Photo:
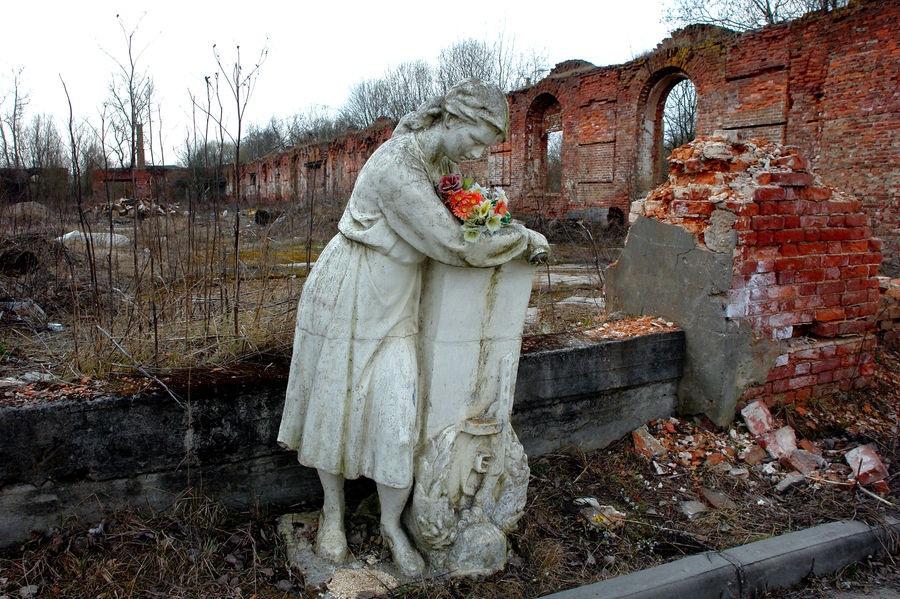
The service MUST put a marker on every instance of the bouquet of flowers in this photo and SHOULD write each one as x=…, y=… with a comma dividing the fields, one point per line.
x=481, y=211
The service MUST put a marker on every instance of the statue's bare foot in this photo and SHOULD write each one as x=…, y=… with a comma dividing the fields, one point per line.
x=331, y=542
x=405, y=556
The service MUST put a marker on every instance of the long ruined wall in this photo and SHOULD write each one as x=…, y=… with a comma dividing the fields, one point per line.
x=829, y=83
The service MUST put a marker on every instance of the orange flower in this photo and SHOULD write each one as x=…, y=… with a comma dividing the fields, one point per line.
x=500, y=208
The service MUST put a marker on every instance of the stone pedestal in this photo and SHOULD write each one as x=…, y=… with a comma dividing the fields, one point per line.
x=471, y=474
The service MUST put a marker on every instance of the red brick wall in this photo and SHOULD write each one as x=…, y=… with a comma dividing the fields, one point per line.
x=805, y=262
x=827, y=83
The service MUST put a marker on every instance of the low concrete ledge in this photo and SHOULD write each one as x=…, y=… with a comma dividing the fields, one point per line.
x=749, y=570
x=590, y=396
x=81, y=459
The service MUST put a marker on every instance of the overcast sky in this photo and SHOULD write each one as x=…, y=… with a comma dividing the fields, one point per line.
x=316, y=49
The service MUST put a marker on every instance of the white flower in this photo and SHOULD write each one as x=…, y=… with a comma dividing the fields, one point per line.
x=471, y=232
x=477, y=188
x=493, y=223
x=500, y=195
x=483, y=210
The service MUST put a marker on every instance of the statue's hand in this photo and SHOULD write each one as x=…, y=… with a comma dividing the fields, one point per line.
x=538, y=248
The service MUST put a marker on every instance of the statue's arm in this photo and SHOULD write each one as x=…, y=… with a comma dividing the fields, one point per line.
x=415, y=212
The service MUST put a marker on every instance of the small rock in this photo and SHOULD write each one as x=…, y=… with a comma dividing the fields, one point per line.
x=38, y=377
x=28, y=591
x=805, y=462
x=807, y=445
x=779, y=443
x=739, y=472
x=284, y=585
x=758, y=418
x=714, y=458
x=691, y=508
x=646, y=443
x=753, y=455
x=717, y=499
x=865, y=465
x=267, y=572
x=789, y=481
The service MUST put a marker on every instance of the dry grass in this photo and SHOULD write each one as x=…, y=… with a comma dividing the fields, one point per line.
x=166, y=300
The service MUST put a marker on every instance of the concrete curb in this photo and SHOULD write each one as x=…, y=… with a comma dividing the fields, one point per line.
x=745, y=571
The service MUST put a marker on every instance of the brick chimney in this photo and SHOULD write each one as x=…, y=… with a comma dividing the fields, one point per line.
x=140, y=146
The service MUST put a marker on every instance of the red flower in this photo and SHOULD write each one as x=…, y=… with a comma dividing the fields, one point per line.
x=450, y=184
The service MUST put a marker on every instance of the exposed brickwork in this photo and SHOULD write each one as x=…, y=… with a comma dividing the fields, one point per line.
x=804, y=260
x=889, y=312
x=828, y=83
x=158, y=182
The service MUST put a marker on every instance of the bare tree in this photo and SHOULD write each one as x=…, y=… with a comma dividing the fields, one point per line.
x=11, y=123
x=130, y=97
x=679, y=116
x=240, y=83
x=464, y=59
x=497, y=62
x=316, y=123
x=742, y=15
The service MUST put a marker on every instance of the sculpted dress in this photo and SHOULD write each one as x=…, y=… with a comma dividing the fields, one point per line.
x=351, y=402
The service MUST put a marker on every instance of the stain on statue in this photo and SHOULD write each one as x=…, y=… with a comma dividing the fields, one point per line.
x=353, y=405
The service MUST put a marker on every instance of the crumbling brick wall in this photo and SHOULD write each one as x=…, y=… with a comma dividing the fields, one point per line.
x=888, y=316
x=827, y=83
x=796, y=269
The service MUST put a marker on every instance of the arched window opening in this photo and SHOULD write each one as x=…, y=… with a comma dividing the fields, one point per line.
x=668, y=109
x=679, y=119
x=544, y=142
x=554, y=161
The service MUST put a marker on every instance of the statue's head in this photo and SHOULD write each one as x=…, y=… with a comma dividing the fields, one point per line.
x=470, y=113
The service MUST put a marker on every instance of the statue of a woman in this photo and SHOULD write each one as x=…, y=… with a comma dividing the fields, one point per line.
x=351, y=407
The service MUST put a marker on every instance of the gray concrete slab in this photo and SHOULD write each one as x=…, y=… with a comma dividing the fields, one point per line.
x=749, y=570
x=703, y=576
x=784, y=561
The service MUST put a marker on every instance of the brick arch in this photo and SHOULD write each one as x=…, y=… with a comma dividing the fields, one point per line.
x=648, y=167
x=543, y=116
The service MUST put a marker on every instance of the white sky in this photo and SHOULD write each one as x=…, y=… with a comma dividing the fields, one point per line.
x=317, y=50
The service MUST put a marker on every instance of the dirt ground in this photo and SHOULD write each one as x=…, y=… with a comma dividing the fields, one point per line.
x=202, y=549
x=590, y=515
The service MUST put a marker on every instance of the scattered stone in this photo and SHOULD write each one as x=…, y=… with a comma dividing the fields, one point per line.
x=739, y=473
x=600, y=516
x=805, y=462
x=25, y=309
x=691, y=508
x=284, y=585
x=103, y=240
x=646, y=443
x=28, y=591
x=779, y=443
x=717, y=499
x=347, y=583
x=38, y=377
x=791, y=480
x=758, y=418
x=714, y=459
x=754, y=455
x=807, y=445
x=865, y=465
x=578, y=300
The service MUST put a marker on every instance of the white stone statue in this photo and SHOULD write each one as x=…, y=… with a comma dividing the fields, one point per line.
x=353, y=402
